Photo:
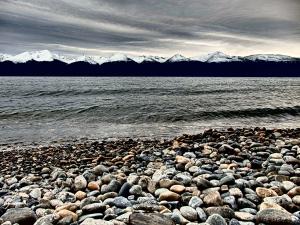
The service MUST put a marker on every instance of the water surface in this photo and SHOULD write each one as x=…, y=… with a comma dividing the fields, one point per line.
x=45, y=109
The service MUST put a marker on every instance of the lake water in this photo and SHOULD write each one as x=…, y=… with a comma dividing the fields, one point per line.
x=46, y=109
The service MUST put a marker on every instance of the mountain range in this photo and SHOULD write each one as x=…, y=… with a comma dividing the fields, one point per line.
x=47, y=56
x=213, y=64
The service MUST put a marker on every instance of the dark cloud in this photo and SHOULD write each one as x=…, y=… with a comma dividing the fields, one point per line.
x=162, y=27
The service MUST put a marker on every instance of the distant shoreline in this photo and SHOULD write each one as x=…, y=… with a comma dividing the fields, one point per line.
x=130, y=68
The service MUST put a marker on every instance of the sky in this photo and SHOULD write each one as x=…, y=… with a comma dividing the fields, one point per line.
x=151, y=27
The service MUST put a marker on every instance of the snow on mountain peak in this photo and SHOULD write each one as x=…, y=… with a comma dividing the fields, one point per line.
x=140, y=59
x=215, y=57
x=269, y=57
x=178, y=58
x=40, y=56
x=47, y=56
x=118, y=57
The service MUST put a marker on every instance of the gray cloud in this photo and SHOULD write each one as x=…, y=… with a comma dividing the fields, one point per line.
x=162, y=27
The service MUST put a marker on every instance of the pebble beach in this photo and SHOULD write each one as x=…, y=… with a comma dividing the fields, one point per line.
x=218, y=177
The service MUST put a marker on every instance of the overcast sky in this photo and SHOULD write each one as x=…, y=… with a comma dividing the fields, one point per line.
x=151, y=27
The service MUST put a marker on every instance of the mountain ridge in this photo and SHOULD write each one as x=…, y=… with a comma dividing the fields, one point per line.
x=215, y=57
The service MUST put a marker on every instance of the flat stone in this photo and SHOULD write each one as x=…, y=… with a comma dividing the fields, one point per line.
x=264, y=192
x=177, y=188
x=276, y=217
x=90, y=221
x=227, y=180
x=169, y=196
x=92, y=215
x=149, y=219
x=182, y=159
x=244, y=216
x=93, y=208
x=225, y=212
x=22, y=216
x=121, y=202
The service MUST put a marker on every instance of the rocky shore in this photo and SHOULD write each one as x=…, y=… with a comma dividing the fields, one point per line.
x=237, y=176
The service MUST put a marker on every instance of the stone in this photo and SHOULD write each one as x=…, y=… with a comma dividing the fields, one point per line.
x=183, y=178
x=276, y=217
x=288, y=185
x=80, y=195
x=167, y=183
x=121, y=202
x=202, y=183
x=124, y=217
x=100, y=169
x=66, y=213
x=149, y=219
x=195, y=202
x=182, y=159
x=296, y=199
x=91, y=221
x=264, y=192
x=244, y=216
x=267, y=205
x=36, y=193
x=177, y=188
x=169, y=196
x=124, y=190
x=46, y=220
x=21, y=216
x=93, y=208
x=213, y=198
x=245, y=203
x=66, y=197
x=92, y=215
x=227, y=180
x=224, y=211
x=236, y=192
x=189, y=213
x=201, y=214
x=294, y=191
x=80, y=182
x=216, y=219
x=178, y=218
x=136, y=190
x=93, y=185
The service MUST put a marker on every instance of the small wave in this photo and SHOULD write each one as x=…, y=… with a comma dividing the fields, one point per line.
x=142, y=115
x=122, y=91
x=244, y=113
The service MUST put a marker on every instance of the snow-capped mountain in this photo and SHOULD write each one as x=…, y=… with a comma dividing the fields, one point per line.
x=141, y=59
x=216, y=57
x=39, y=56
x=269, y=57
x=178, y=58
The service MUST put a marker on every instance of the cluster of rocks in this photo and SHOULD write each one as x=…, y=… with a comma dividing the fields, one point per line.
x=234, y=177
